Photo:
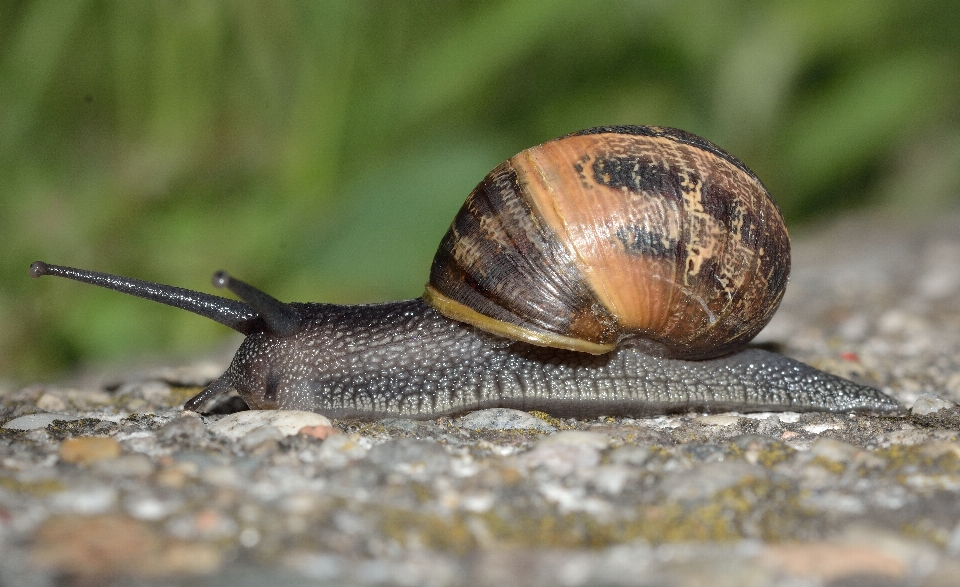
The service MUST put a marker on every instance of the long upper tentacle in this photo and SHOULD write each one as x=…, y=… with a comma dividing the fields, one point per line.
x=237, y=315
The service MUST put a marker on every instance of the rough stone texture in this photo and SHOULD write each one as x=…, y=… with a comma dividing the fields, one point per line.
x=503, y=419
x=286, y=422
x=105, y=481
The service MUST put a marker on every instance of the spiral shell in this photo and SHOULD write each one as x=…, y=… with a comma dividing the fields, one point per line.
x=643, y=234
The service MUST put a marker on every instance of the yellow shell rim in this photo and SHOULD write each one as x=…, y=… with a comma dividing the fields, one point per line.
x=461, y=313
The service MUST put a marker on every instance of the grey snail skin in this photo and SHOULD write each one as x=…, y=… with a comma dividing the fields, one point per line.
x=614, y=271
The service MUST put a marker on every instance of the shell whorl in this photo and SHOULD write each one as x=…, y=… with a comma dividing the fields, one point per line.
x=612, y=234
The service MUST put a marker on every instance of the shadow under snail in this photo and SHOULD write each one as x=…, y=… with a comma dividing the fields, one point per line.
x=613, y=271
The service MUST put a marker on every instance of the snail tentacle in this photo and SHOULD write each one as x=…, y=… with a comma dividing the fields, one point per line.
x=236, y=315
x=281, y=319
x=219, y=386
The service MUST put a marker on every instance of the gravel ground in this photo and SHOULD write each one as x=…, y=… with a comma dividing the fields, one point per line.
x=105, y=480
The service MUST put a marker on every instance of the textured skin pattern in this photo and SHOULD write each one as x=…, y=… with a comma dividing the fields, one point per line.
x=405, y=359
x=620, y=232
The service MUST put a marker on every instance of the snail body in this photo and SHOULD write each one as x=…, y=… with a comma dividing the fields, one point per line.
x=614, y=271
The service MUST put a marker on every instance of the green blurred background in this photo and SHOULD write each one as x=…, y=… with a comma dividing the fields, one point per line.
x=320, y=149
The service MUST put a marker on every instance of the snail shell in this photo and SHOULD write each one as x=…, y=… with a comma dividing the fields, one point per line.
x=643, y=234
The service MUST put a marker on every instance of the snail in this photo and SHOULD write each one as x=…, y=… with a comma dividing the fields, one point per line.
x=612, y=271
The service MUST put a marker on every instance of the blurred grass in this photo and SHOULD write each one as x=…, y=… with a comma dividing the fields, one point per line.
x=320, y=149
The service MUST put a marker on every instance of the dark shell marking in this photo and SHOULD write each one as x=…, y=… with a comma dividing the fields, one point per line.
x=497, y=259
x=674, y=134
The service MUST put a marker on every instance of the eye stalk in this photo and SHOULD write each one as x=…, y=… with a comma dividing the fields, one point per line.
x=38, y=269
x=281, y=319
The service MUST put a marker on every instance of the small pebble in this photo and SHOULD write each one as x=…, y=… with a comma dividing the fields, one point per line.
x=108, y=545
x=94, y=499
x=34, y=421
x=93, y=545
x=288, y=422
x=142, y=441
x=319, y=432
x=611, y=479
x=702, y=452
x=833, y=450
x=125, y=465
x=561, y=459
x=338, y=450
x=420, y=459
x=937, y=449
x=704, y=481
x=260, y=435
x=401, y=425
x=844, y=453
x=152, y=391
x=226, y=476
x=719, y=420
x=503, y=419
x=831, y=562
x=89, y=399
x=630, y=454
x=753, y=441
x=595, y=440
x=198, y=374
x=916, y=436
x=753, y=445
x=574, y=499
x=182, y=430
x=322, y=567
x=88, y=450
x=821, y=428
x=151, y=508
x=207, y=524
x=929, y=403
x=51, y=403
